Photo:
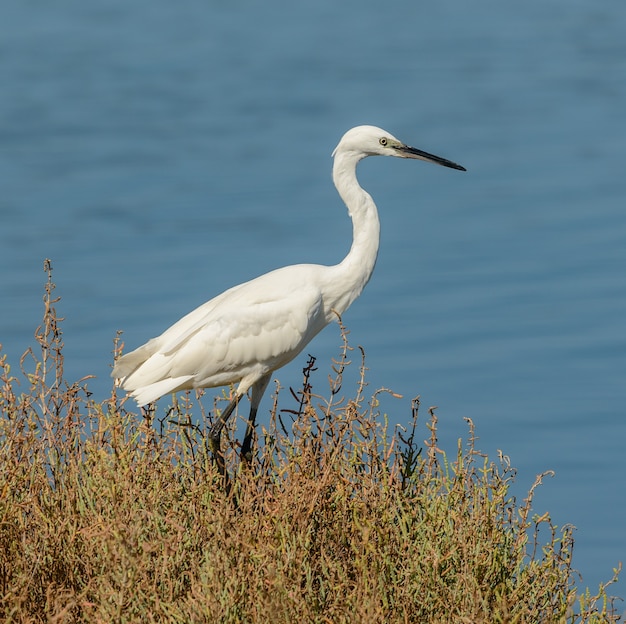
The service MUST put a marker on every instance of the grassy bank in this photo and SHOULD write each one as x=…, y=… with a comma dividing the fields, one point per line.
x=109, y=515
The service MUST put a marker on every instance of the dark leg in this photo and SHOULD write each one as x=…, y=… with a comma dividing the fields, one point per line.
x=258, y=389
x=215, y=435
x=246, y=447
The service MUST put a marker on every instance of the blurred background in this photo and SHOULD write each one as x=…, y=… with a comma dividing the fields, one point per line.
x=161, y=152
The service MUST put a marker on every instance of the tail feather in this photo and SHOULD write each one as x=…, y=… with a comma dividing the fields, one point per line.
x=129, y=363
x=154, y=391
x=145, y=374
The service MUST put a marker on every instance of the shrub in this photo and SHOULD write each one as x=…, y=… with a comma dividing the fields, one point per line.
x=111, y=516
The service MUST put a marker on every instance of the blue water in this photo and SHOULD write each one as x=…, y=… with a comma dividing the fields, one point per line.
x=161, y=152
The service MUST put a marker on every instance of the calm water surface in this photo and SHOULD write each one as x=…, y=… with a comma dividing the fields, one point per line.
x=160, y=153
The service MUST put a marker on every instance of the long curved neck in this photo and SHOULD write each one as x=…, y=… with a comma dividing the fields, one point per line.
x=352, y=274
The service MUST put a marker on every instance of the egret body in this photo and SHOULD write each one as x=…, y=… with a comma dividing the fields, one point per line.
x=252, y=329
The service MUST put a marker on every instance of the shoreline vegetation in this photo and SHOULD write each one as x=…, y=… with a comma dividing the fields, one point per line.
x=109, y=515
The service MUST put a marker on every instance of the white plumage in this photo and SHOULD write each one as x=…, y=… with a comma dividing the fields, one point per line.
x=240, y=335
x=250, y=330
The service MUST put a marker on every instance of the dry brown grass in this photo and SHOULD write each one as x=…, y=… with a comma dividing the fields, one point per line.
x=110, y=516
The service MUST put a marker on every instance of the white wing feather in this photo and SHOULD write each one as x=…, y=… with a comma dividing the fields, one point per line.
x=238, y=336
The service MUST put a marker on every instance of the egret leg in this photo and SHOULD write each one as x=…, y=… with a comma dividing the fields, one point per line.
x=215, y=434
x=258, y=389
x=246, y=446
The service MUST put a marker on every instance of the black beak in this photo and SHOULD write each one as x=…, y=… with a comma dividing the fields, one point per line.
x=412, y=152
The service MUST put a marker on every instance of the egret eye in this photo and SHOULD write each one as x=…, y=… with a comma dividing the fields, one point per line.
x=383, y=141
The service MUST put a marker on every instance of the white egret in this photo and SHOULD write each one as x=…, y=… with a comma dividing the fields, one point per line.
x=249, y=331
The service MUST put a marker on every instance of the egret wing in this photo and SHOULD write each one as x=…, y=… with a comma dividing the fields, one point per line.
x=243, y=333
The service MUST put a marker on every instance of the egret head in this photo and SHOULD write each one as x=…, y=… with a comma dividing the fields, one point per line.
x=365, y=141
